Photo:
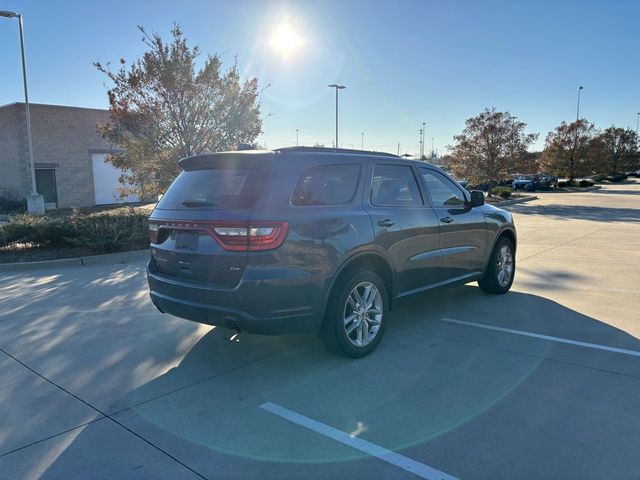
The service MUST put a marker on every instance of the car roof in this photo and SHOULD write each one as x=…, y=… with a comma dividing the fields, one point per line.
x=254, y=157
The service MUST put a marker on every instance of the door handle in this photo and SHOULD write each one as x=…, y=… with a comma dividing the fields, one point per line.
x=387, y=222
x=446, y=219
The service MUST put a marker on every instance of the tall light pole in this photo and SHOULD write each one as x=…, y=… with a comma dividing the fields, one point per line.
x=424, y=139
x=337, y=87
x=362, y=141
x=421, y=131
x=296, y=137
x=575, y=140
x=578, y=109
x=35, y=202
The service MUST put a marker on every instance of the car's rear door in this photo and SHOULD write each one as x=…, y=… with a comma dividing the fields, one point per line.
x=406, y=231
x=462, y=228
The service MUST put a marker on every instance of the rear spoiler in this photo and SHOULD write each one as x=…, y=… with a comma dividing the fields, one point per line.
x=246, y=159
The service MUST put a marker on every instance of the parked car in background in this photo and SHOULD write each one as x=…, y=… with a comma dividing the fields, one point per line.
x=524, y=182
x=617, y=177
x=531, y=183
x=318, y=240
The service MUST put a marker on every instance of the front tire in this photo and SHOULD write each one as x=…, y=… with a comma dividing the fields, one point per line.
x=498, y=277
x=356, y=315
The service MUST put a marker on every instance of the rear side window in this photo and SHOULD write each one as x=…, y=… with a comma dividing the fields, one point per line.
x=394, y=185
x=215, y=189
x=327, y=185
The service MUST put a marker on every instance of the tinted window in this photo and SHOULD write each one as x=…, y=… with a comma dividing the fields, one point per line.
x=443, y=192
x=217, y=188
x=327, y=185
x=394, y=185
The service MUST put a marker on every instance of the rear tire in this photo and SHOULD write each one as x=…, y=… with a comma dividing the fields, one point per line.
x=356, y=315
x=498, y=277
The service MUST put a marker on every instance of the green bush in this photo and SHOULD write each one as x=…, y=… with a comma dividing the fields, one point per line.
x=99, y=232
x=503, y=192
x=9, y=203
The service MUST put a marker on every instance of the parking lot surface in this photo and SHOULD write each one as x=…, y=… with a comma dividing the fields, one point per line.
x=543, y=382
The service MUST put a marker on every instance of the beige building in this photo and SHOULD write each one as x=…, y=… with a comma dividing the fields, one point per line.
x=69, y=156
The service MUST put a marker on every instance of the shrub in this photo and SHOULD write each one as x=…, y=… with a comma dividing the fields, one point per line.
x=98, y=232
x=503, y=192
x=9, y=202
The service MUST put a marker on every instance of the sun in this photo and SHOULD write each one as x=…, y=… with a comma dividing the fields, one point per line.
x=285, y=40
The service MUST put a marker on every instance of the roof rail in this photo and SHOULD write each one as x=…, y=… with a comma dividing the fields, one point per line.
x=332, y=150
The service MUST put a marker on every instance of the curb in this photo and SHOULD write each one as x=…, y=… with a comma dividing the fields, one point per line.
x=573, y=189
x=516, y=200
x=90, y=260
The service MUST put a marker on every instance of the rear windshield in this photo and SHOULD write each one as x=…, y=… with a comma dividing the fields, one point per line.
x=217, y=188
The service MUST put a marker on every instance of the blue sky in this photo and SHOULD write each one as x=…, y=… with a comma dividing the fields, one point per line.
x=403, y=62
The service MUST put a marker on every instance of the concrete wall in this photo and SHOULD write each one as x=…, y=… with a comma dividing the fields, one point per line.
x=63, y=138
x=14, y=169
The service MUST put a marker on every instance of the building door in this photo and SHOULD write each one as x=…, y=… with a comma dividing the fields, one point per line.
x=106, y=182
x=46, y=186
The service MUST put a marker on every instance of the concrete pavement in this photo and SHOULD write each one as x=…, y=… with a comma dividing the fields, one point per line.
x=97, y=383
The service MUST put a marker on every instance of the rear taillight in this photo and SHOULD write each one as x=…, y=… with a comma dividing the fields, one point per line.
x=253, y=237
x=234, y=236
x=153, y=232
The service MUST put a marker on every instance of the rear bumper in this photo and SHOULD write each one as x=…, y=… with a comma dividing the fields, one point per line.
x=269, y=306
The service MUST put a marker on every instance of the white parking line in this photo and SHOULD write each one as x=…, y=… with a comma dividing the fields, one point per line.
x=416, y=468
x=545, y=337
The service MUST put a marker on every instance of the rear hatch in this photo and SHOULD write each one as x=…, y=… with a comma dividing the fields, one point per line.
x=200, y=228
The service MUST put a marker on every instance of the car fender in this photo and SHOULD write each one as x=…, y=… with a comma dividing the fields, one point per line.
x=372, y=251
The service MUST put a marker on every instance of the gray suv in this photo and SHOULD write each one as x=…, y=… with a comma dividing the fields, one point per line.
x=318, y=240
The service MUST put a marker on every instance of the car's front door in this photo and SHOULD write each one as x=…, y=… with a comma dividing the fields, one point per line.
x=407, y=231
x=462, y=228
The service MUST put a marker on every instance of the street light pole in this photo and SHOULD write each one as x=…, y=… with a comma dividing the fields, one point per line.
x=337, y=87
x=575, y=140
x=296, y=137
x=424, y=139
x=362, y=141
x=35, y=202
x=421, y=142
x=578, y=109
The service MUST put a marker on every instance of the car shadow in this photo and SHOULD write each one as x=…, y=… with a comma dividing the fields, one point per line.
x=437, y=382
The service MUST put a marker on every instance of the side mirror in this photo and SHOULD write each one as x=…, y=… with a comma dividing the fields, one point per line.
x=477, y=198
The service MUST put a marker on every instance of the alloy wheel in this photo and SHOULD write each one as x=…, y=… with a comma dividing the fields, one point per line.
x=363, y=314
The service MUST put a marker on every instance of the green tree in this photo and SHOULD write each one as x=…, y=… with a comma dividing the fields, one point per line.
x=163, y=107
x=568, y=149
x=492, y=145
x=615, y=150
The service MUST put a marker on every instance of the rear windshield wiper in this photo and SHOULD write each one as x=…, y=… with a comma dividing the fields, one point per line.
x=198, y=203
